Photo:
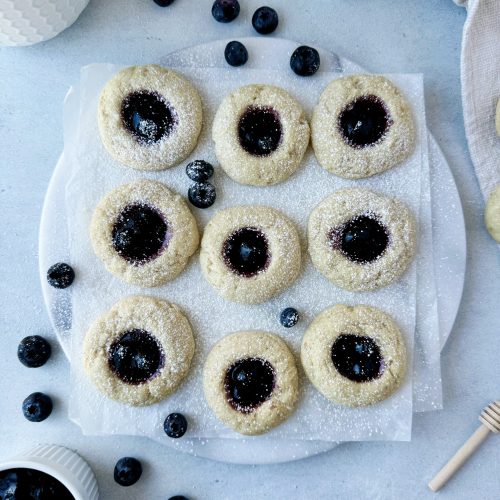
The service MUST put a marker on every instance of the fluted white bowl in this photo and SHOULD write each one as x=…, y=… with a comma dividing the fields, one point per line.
x=26, y=22
x=63, y=464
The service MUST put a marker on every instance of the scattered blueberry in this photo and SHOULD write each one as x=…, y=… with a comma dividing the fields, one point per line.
x=265, y=20
x=163, y=3
x=178, y=497
x=199, y=170
x=289, y=317
x=33, y=351
x=236, y=53
x=225, y=11
x=202, y=194
x=60, y=275
x=128, y=471
x=304, y=61
x=37, y=407
x=175, y=425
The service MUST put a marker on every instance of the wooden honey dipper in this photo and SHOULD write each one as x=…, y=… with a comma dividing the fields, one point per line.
x=490, y=422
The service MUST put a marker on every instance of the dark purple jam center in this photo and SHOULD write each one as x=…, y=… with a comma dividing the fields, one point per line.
x=259, y=130
x=139, y=233
x=147, y=116
x=357, y=357
x=246, y=252
x=364, y=121
x=135, y=357
x=362, y=239
x=31, y=484
x=249, y=382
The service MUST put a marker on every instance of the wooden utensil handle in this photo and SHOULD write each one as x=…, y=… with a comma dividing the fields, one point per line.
x=460, y=457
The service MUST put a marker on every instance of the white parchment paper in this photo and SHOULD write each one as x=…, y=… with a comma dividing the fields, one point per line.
x=95, y=290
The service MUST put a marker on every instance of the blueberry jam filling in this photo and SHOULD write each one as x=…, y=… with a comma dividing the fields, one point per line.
x=248, y=383
x=139, y=233
x=364, y=121
x=27, y=484
x=362, y=239
x=135, y=357
x=147, y=116
x=357, y=357
x=259, y=130
x=246, y=252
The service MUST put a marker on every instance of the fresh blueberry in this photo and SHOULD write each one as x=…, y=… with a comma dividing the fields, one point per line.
x=9, y=483
x=304, y=61
x=289, y=317
x=163, y=3
x=225, y=11
x=23, y=483
x=33, y=351
x=128, y=471
x=60, y=275
x=37, y=407
x=175, y=425
x=202, y=194
x=265, y=20
x=199, y=170
x=178, y=497
x=236, y=53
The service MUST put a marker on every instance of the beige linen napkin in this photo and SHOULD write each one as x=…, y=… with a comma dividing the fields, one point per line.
x=480, y=75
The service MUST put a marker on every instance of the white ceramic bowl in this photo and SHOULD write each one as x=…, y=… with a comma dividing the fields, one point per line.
x=63, y=464
x=26, y=22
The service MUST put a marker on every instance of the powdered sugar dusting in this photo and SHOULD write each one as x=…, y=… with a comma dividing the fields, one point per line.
x=95, y=173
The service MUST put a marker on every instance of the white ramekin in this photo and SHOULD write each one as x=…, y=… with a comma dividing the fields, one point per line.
x=61, y=463
x=26, y=22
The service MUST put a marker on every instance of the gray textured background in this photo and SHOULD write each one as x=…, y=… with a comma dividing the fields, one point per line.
x=381, y=35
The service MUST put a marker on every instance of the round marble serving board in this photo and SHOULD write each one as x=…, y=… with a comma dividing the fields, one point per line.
x=448, y=243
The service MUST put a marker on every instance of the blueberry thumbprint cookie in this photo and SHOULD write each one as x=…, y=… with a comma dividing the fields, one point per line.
x=360, y=240
x=354, y=356
x=149, y=117
x=261, y=134
x=250, y=381
x=144, y=233
x=139, y=351
x=250, y=253
x=362, y=126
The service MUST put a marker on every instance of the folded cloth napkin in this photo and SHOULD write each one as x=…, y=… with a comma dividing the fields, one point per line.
x=480, y=75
